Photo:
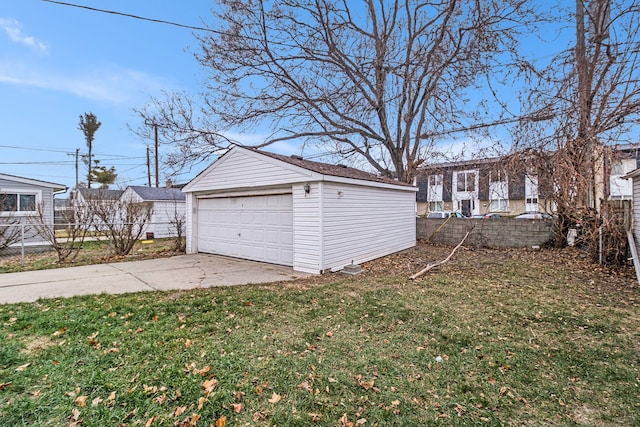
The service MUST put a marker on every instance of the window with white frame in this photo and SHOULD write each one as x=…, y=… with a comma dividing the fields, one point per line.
x=499, y=205
x=436, y=206
x=466, y=181
x=18, y=202
x=434, y=193
x=498, y=191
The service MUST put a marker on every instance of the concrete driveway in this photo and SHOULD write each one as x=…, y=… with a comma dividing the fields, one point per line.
x=162, y=274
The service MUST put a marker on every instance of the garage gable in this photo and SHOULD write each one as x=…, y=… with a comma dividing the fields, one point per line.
x=244, y=168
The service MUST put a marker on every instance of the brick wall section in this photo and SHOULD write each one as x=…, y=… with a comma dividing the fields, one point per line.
x=491, y=233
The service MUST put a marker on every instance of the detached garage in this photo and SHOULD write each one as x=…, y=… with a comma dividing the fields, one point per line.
x=313, y=216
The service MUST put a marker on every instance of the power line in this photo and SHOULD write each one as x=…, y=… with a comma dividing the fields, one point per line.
x=50, y=150
x=129, y=15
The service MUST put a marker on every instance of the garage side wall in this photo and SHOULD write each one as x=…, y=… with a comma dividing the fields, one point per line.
x=307, y=208
x=363, y=223
x=191, y=218
x=636, y=212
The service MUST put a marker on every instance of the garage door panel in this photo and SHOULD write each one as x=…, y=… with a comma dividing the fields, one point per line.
x=257, y=227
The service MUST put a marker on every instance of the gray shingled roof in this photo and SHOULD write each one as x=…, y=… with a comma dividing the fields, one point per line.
x=156, y=194
x=100, y=193
x=332, y=170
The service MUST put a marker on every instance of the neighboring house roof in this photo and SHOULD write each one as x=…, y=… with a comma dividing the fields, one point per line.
x=460, y=163
x=100, y=193
x=633, y=174
x=56, y=187
x=341, y=171
x=157, y=194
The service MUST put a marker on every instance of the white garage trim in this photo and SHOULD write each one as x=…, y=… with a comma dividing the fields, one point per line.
x=256, y=227
x=271, y=191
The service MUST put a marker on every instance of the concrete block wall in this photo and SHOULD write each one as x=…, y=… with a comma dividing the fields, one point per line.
x=490, y=233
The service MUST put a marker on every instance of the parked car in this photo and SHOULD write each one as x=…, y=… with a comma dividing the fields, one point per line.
x=445, y=214
x=486, y=216
x=534, y=215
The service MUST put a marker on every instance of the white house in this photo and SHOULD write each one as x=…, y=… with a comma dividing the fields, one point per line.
x=168, y=208
x=634, y=238
x=19, y=201
x=313, y=216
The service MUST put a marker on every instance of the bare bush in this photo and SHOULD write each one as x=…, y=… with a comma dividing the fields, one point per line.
x=178, y=222
x=122, y=221
x=68, y=243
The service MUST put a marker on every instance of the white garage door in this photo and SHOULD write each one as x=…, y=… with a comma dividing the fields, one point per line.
x=259, y=228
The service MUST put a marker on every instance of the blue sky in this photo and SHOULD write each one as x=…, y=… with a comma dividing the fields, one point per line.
x=59, y=62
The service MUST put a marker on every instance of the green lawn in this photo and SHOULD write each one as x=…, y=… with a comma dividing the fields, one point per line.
x=490, y=338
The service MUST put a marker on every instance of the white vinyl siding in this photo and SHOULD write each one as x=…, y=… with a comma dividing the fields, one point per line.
x=191, y=210
x=307, y=239
x=621, y=189
x=636, y=212
x=364, y=223
x=44, y=196
x=163, y=217
x=246, y=169
x=335, y=221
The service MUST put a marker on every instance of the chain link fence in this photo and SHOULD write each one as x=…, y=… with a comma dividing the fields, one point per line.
x=20, y=241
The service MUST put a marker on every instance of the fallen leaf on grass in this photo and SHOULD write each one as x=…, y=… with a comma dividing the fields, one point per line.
x=260, y=416
x=344, y=421
x=201, y=402
x=150, y=421
x=59, y=332
x=23, y=367
x=149, y=389
x=75, y=418
x=96, y=401
x=275, y=398
x=5, y=385
x=305, y=386
x=221, y=422
x=209, y=385
x=179, y=411
x=367, y=385
x=81, y=401
x=237, y=407
x=315, y=417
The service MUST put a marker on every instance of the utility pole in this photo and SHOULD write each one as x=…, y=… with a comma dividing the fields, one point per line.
x=148, y=166
x=77, y=153
x=155, y=127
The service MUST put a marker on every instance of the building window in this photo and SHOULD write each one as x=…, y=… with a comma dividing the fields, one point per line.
x=436, y=206
x=18, y=202
x=435, y=180
x=497, y=175
x=499, y=205
x=466, y=181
